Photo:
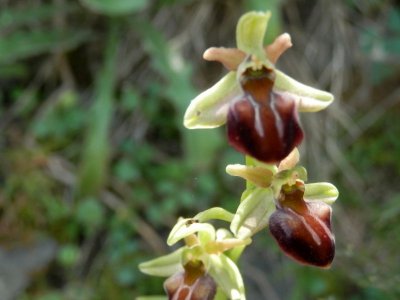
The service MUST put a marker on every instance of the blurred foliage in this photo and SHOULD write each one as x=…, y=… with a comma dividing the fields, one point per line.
x=94, y=155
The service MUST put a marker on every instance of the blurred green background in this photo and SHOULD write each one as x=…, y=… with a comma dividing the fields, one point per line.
x=96, y=166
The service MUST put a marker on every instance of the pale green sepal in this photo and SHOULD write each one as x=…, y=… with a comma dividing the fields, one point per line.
x=214, y=213
x=186, y=227
x=250, y=32
x=323, y=191
x=227, y=276
x=223, y=233
x=152, y=298
x=163, y=266
x=253, y=213
x=308, y=98
x=210, y=108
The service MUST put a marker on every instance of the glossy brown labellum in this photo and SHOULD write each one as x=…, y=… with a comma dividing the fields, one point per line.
x=263, y=124
x=303, y=229
x=190, y=284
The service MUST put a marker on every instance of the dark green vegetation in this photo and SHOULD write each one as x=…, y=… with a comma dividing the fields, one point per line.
x=96, y=166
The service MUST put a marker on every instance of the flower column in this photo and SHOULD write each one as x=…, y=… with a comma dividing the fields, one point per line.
x=260, y=106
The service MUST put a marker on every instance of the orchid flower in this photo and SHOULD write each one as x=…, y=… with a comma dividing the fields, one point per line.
x=198, y=268
x=258, y=103
x=298, y=215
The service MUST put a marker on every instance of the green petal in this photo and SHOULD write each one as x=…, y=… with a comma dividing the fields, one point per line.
x=323, y=191
x=210, y=108
x=309, y=99
x=250, y=32
x=214, y=213
x=185, y=227
x=227, y=275
x=253, y=213
x=163, y=266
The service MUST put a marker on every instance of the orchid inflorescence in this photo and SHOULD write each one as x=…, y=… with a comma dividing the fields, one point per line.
x=259, y=105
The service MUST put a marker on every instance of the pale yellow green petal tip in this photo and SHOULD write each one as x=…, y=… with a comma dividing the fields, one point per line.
x=250, y=32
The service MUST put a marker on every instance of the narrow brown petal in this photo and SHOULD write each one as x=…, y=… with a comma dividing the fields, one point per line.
x=232, y=57
x=229, y=57
x=278, y=47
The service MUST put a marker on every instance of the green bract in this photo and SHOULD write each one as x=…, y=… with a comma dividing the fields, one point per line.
x=253, y=213
x=228, y=277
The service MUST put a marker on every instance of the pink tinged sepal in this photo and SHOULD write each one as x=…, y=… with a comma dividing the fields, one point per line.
x=263, y=123
x=302, y=229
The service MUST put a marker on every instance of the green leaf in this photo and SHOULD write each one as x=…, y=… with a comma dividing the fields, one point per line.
x=210, y=108
x=33, y=13
x=322, y=191
x=115, y=7
x=94, y=161
x=308, y=98
x=253, y=213
x=250, y=32
x=20, y=45
x=90, y=213
x=186, y=227
x=163, y=266
x=227, y=275
x=214, y=213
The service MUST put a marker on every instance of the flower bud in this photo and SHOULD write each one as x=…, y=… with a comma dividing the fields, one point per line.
x=191, y=284
x=303, y=228
x=263, y=123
